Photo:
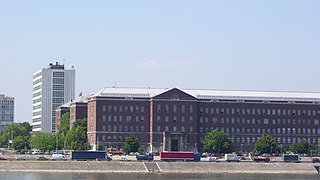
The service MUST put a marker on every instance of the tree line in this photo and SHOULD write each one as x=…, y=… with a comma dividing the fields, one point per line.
x=220, y=142
x=19, y=137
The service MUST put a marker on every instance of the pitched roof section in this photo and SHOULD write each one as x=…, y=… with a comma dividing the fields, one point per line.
x=211, y=94
x=175, y=93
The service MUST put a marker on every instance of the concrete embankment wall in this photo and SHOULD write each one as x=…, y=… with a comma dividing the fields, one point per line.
x=265, y=168
x=164, y=167
x=72, y=166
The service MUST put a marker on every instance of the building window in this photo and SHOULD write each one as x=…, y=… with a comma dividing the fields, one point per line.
x=167, y=118
x=174, y=108
x=183, y=129
x=183, y=119
x=174, y=118
x=104, y=108
x=104, y=118
x=174, y=128
x=191, y=119
x=166, y=108
x=158, y=118
x=266, y=121
x=142, y=108
x=92, y=109
x=191, y=109
x=191, y=129
x=183, y=108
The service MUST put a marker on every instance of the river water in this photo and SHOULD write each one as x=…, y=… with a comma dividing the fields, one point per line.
x=151, y=176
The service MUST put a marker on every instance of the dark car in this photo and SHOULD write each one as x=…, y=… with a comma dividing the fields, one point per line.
x=42, y=158
x=315, y=160
x=2, y=158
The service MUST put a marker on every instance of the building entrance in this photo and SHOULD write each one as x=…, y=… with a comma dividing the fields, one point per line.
x=174, y=145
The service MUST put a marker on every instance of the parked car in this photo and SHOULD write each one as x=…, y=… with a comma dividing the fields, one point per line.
x=19, y=158
x=123, y=159
x=205, y=154
x=58, y=156
x=315, y=160
x=42, y=158
x=2, y=158
x=213, y=159
x=133, y=154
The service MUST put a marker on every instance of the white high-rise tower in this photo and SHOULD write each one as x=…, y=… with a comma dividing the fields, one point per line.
x=52, y=87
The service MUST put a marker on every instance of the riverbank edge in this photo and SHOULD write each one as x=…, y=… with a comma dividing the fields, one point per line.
x=164, y=167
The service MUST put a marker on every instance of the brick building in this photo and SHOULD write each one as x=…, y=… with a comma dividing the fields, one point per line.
x=178, y=119
x=77, y=110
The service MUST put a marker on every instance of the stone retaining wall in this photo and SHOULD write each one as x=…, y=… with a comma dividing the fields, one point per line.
x=165, y=167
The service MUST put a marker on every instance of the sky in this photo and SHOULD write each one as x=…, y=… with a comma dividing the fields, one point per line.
x=267, y=45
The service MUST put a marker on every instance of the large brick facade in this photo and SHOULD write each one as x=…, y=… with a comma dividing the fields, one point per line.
x=178, y=120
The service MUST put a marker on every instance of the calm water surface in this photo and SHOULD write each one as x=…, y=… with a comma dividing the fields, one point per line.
x=96, y=176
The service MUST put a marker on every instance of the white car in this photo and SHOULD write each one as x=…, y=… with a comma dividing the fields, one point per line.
x=58, y=156
x=213, y=159
x=123, y=159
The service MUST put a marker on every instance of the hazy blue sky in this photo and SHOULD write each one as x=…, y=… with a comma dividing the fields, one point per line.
x=268, y=45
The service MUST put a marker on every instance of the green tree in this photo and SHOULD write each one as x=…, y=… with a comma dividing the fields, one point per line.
x=43, y=141
x=76, y=138
x=131, y=144
x=266, y=144
x=13, y=130
x=217, y=142
x=19, y=143
x=64, y=128
x=302, y=147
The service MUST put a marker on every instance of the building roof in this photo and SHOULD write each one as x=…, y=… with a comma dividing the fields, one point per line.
x=80, y=100
x=212, y=94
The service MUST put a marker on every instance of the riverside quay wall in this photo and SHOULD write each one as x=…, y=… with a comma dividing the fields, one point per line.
x=157, y=167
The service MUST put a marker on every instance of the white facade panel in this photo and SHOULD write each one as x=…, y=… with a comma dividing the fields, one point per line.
x=52, y=93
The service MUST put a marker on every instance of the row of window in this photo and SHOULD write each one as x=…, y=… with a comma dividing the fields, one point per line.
x=58, y=74
x=202, y=110
x=113, y=138
x=122, y=128
x=265, y=121
x=37, y=75
x=120, y=118
x=110, y=108
x=298, y=131
x=8, y=117
x=6, y=107
x=37, y=81
x=37, y=88
x=58, y=80
x=280, y=140
x=6, y=102
x=255, y=111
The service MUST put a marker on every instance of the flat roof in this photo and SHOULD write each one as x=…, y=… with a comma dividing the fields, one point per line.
x=211, y=94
